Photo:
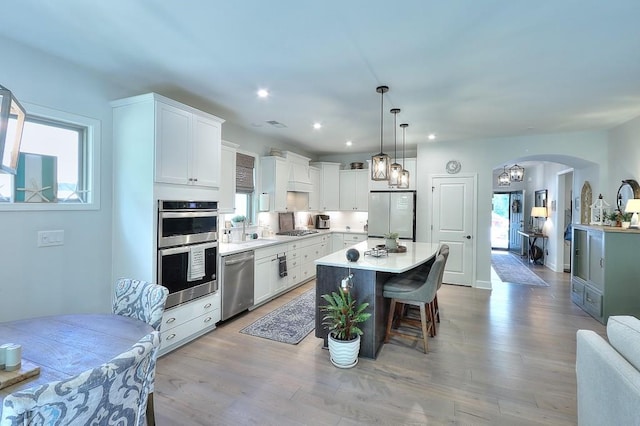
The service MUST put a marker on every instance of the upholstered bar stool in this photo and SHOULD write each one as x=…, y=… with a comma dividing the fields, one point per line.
x=405, y=290
x=444, y=250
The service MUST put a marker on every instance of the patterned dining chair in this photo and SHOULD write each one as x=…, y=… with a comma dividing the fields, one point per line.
x=144, y=301
x=112, y=393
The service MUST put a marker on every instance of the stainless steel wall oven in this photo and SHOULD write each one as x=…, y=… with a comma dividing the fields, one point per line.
x=187, y=249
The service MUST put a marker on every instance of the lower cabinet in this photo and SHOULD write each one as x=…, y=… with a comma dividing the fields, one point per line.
x=188, y=321
x=268, y=281
x=605, y=271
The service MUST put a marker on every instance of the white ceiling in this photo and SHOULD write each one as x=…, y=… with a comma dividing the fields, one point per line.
x=463, y=69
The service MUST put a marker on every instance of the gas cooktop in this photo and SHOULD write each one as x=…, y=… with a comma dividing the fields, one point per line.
x=297, y=232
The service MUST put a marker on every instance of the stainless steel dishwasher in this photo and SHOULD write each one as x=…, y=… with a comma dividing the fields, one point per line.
x=236, y=277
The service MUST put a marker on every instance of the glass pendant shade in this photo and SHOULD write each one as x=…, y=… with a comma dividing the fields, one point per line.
x=404, y=175
x=380, y=162
x=503, y=178
x=516, y=173
x=380, y=167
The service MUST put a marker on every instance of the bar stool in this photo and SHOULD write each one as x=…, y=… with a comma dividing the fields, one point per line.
x=403, y=289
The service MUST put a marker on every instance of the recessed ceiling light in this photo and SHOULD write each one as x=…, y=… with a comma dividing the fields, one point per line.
x=432, y=136
x=317, y=126
x=349, y=143
x=263, y=93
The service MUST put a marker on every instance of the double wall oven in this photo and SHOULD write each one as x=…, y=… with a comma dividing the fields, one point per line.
x=187, y=249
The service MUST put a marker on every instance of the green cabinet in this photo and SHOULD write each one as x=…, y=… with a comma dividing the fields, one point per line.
x=605, y=277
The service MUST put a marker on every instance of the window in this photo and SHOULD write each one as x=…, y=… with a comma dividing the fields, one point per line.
x=57, y=168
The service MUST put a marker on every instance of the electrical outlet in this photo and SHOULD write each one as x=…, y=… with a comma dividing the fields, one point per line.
x=50, y=238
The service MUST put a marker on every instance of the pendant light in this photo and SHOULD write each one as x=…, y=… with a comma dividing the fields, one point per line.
x=380, y=162
x=404, y=176
x=395, y=170
x=516, y=173
x=503, y=178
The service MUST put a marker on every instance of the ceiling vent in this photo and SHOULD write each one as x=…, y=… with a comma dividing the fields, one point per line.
x=276, y=124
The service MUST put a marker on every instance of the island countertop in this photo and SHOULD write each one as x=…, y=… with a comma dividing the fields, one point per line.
x=416, y=254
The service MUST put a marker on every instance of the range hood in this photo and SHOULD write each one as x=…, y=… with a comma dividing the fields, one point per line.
x=299, y=178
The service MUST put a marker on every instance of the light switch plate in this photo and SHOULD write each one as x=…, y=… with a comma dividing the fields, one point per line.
x=50, y=238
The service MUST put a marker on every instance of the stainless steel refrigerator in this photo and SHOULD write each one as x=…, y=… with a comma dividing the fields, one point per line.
x=392, y=211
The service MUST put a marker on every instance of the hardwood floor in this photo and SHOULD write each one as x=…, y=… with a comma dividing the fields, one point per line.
x=501, y=357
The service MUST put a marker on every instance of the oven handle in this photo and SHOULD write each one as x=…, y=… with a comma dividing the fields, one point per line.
x=185, y=249
x=200, y=213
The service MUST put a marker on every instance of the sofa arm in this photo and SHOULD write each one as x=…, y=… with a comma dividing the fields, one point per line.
x=608, y=386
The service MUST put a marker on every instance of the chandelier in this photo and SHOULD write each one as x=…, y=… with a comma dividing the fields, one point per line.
x=503, y=178
x=516, y=173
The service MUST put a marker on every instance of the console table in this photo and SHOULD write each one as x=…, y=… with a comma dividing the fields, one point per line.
x=369, y=275
x=532, y=237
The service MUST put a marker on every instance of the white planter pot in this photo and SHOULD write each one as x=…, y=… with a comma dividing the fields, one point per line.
x=391, y=243
x=344, y=354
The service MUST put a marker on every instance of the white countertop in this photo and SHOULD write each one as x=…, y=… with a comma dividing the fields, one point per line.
x=417, y=254
x=225, y=249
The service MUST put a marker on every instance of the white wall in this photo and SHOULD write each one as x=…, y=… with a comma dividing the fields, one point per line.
x=580, y=149
x=74, y=277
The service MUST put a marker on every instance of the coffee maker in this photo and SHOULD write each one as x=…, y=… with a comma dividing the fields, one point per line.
x=322, y=221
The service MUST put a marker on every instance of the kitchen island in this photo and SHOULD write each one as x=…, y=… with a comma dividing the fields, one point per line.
x=369, y=275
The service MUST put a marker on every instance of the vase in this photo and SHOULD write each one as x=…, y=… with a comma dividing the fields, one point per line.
x=344, y=353
x=625, y=225
x=391, y=243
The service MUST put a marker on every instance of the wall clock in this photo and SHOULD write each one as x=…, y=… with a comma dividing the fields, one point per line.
x=453, y=166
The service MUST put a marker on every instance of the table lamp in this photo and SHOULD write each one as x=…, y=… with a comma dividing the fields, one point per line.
x=633, y=206
x=538, y=212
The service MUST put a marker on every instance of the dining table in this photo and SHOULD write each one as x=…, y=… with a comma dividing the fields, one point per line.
x=366, y=276
x=63, y=346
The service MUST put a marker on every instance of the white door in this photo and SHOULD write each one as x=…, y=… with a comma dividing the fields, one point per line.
x=453, y=218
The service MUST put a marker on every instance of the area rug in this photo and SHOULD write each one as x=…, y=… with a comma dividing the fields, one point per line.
x=289, y=323
x=511, y=270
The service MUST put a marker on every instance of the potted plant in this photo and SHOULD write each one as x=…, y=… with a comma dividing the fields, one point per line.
x=238, y=220
x=625, y=219
x=342, y=316
x=614, y=218
x=391, y=240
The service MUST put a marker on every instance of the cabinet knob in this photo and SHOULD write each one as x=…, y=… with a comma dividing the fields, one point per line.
x=170, y=320
x=207, y=306
x=171, y=336
x=207, y=319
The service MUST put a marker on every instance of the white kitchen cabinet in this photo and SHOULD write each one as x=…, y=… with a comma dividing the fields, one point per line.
x=383, y=185
x=352, y=239
x=227, y=192
x=314, y=195
x=337, y=241
x=274, y=180
x=268, y=281
x=189, y=320
x=354, y=189
x=188, y=144
x=329, y=197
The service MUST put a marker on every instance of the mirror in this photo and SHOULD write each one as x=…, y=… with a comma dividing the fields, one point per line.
x=540, y=198
x=628, y=190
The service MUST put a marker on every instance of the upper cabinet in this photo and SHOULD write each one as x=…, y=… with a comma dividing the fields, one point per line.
x=227, y=192
x=354, y=189
x=274, y=179
x=314, y=195
x=383, y=185
x=328, y=195
x=188, y=145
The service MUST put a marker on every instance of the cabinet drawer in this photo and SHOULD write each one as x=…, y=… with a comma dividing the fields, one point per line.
x=307, y=271
x=593, y=301
x=577, y=292
x=179, y=333
x=354, y=238
x=183, y=313
x=294, y=276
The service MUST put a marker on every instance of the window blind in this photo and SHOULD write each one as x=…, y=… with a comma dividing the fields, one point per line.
x=244, y=173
